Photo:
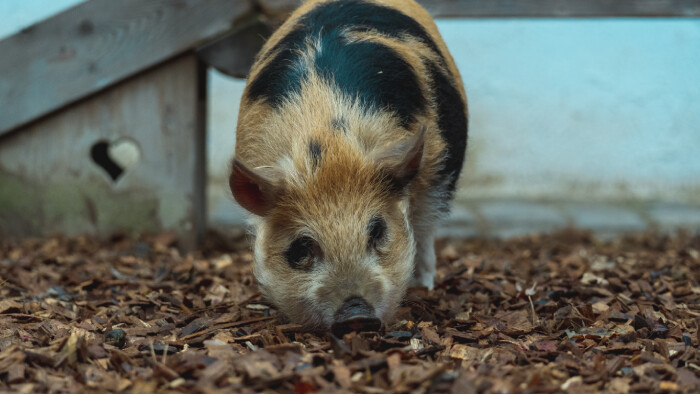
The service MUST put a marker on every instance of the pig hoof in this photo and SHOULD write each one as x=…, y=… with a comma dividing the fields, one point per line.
x=423, y=280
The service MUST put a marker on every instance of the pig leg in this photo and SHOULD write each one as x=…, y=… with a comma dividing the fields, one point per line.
x=424, y=268
x=428, y=211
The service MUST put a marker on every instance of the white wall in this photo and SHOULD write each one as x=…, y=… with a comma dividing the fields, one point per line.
x=225, y=94
x=580, y=108
x=571, y=109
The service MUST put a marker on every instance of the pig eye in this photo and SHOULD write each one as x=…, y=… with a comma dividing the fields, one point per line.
x=299, y=251
x=377, y=232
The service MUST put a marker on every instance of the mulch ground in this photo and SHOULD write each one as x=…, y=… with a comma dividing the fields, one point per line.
x=552, y=313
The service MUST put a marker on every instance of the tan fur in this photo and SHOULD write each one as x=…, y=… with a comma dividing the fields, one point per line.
x=335, y=211
x=334, y=202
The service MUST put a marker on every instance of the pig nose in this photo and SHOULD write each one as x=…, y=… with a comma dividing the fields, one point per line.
x=355, y=315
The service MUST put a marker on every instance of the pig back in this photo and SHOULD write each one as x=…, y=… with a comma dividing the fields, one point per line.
x=382, y=58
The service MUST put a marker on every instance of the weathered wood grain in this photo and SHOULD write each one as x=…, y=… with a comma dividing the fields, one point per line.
x=234, y=53
x=51, y=184
x=98, y=43
x=561, y=8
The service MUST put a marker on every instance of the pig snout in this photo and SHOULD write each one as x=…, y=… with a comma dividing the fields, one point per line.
x=355, y=315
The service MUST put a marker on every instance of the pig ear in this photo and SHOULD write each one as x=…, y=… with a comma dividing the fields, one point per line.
x=402, y=161
x=255, y=190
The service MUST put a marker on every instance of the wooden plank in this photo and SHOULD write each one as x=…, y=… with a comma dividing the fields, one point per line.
x=98, y=43
x=153, y=125
x=561, y=8
x=198, y=187
x=234, y=53
x=531, y=8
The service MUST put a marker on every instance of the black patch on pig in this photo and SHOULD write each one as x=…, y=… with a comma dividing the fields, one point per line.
x=452, y=121
x=340, y=124
x=316, y=153
x=373, y=73
x=281, y=77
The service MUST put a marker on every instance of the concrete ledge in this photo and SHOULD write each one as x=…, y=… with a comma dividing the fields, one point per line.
x=669, y=216
x=508, y=218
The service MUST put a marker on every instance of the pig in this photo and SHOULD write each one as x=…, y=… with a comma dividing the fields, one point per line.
x=351, y=137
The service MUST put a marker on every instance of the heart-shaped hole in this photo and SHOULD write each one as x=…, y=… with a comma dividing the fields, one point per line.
x=116, y=157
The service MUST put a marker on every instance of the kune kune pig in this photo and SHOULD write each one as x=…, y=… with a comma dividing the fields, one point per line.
x=351, y=136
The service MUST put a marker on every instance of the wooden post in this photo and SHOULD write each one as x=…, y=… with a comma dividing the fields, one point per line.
x=130, y=158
